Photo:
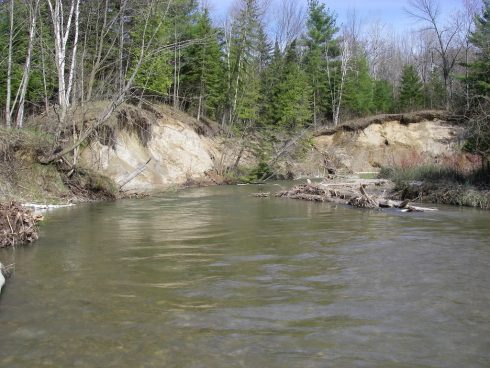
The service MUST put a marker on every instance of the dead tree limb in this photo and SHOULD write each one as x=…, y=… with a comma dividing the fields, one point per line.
x=135, y=173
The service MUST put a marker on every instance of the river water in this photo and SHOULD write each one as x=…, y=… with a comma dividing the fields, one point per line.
x=214, y=278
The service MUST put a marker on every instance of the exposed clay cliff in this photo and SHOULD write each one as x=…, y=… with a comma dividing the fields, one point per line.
x=167, y=152
x=388, y=140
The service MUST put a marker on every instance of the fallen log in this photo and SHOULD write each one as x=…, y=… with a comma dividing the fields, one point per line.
x=388, y=203
x=261, y=195
x=337, y=193
x=418, y=209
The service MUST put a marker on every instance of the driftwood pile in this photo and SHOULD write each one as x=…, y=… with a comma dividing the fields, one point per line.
x=18, y=225
x=353, y=194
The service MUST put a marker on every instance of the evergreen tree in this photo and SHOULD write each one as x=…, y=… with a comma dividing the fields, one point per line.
x=478, y=130
x=292, y=102
x=155, y=75
x=383, y=101
x=269, y=88
x=479, y=70
x=203, y=73
x=320, y=45
x=161, y=71
x=264, y=50
x=242, y=97
x=358, y=95
x=411, y=95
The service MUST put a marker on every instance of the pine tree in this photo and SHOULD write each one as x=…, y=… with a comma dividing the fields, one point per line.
x=243, y=66
x=203, y=72
x=411, y=95
x=479, y=73
x=383, y=101
x=478, y=129
x=358, y=94
x=155, y=75
x=320, y=44
x=292, y=103
x=269, y=89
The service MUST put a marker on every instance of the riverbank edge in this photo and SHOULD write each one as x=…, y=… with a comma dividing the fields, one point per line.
x=461, y=195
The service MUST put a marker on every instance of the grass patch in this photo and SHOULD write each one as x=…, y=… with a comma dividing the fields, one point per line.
x=440, y=184
x=427, y=173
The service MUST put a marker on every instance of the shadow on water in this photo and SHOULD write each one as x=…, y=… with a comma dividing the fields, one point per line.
x=212, y=277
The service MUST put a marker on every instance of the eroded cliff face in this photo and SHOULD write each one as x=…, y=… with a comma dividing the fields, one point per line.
x=177, y=151
x=387, y=143
x=176, y=155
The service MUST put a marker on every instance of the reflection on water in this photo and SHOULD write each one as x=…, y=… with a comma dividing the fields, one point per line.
x=215, y=278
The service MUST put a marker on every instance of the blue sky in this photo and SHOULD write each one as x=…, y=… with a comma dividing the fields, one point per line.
x=389, y=12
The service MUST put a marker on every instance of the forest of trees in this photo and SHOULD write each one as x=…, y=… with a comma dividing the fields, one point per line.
x=304, y=69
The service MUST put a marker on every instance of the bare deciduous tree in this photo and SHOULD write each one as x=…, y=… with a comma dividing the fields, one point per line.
x=290, y=22
x=428, y=11
x=375, y=45
x=337, y=87
x=63, y=29
x=33, y=12
x=18, y=104
x=8, y=113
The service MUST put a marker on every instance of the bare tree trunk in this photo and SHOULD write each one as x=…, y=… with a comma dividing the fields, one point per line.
x=62, y=33
x=178, y=77
x=235, y=95
x=71, y=74
x=98, y=52
x=102, y=53
x=227, y=111
x=314, y=110
x=343, y=70
x=121, y=45
x=175, y=97
x=338, y=91
x=33, y=10
x=43, y=66
x=8, y=113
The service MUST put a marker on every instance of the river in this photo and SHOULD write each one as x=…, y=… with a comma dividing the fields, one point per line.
x=212, y=277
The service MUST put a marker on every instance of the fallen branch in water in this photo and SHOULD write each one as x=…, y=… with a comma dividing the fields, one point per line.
x=18, y=224
x=345, y=193
x=261, y=195
x=364, y=201
x=46, y=206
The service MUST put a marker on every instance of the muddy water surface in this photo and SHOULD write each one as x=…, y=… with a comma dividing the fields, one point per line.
x=215, y=278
